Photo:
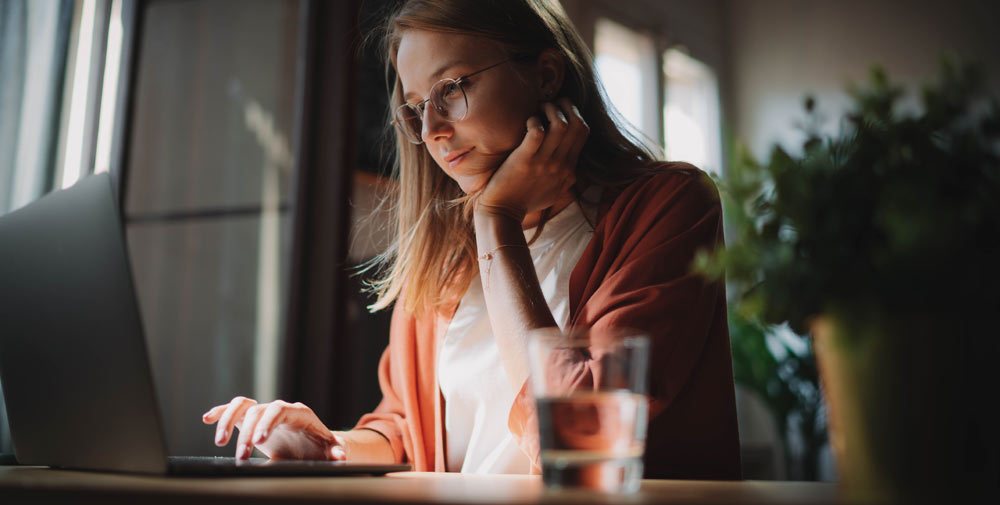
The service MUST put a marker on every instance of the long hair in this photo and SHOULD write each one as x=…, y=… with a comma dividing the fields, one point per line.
x=432, y=258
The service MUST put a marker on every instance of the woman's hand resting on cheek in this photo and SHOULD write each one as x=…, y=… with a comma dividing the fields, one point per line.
x=281, y=430
x=540, y=170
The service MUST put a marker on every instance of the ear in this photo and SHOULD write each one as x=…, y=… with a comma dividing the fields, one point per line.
x=551, y=67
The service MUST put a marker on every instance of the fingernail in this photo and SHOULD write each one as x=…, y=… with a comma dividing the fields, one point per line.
x=338, y=453
x=240, y=451
x=259, y=436
x=219, y=437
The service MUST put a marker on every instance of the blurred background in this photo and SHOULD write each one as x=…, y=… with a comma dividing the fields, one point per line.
x=247, y=139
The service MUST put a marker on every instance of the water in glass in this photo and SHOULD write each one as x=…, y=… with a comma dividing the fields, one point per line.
x=593, y=440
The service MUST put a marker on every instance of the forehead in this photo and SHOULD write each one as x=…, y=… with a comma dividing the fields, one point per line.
x=424, y=57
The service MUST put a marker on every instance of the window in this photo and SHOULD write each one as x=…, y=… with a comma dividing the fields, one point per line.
x=626, y=64
x=209, y=199
x=668, y=100
x=35, y=38
x=691, y=112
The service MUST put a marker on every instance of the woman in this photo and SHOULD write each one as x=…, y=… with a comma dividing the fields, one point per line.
x=521, y=206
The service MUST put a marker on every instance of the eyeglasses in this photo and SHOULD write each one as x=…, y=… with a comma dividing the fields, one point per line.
x=448, y=99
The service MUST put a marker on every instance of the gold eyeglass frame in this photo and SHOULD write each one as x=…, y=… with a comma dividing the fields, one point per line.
x=419, y=107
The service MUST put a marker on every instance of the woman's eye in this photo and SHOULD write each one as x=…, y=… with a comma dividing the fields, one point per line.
x=450, y=90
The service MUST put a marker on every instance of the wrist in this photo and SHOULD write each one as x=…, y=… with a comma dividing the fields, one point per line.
x=493, y=229
x=483, y=212
x=365, y=446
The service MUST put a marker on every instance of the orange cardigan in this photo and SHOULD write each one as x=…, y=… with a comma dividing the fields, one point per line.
x=634, y=273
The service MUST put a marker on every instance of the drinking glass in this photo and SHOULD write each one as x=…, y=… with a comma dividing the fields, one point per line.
x=590, y=389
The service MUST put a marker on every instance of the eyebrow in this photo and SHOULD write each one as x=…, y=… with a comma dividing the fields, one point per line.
x=435, y=76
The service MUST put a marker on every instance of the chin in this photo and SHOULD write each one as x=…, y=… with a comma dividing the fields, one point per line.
x=470, y=183
x=471, y=179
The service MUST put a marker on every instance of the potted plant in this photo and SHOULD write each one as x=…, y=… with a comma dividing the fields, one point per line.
x=780, y=368
x=883, y=243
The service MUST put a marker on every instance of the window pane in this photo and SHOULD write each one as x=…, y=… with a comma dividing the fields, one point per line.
x=691, y=112
x=199, y=286
x=33, y=41
x=208, y=190
x=213, y=104
x=626, y=65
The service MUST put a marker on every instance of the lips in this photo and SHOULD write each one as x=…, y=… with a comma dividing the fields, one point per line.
x=454, y=155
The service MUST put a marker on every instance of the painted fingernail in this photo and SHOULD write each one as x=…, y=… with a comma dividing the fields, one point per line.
x=259, y=436
x=240, y=451
x=219, y=437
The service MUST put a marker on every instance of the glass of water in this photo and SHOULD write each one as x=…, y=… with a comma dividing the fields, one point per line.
x=590, y=388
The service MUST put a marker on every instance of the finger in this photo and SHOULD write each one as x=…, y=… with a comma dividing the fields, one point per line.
x=337, y=453
x=558, y=126
x=576, y=134
x=568, y=182
x=213, y=414
x=533, y=138
x=534, y=123
x=338, y=449
x=268, y=420
x=308, y=421
x=233, y=414
x=244, y=447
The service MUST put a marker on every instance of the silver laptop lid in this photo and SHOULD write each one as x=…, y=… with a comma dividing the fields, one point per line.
x=73, y=360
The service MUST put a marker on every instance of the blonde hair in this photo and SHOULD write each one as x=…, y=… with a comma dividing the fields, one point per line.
x=432, y=258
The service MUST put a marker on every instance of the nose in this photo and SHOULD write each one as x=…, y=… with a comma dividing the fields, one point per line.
x=434, y=126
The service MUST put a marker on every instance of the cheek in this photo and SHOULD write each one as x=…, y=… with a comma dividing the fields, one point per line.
x=500, y=129
x=495, y=127
x=501, y=118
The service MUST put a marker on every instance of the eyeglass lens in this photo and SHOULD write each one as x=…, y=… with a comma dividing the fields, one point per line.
x=449, y=102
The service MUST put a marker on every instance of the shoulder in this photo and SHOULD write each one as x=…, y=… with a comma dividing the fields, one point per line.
x=669, y=187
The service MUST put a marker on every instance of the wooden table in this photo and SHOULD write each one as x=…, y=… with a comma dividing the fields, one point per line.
x=38, y=484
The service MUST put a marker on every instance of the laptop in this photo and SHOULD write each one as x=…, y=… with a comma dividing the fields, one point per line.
x=73, y=361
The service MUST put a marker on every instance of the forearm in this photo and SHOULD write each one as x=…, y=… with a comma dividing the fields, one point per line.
x=514, y=298
x=365, y=446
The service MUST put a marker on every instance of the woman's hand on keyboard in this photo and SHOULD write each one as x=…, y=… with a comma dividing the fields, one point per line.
x=281, y=430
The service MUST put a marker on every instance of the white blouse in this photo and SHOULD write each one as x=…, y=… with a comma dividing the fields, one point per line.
x=478, y=392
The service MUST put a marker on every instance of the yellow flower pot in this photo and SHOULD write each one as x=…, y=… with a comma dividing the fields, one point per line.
x=904, y=398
